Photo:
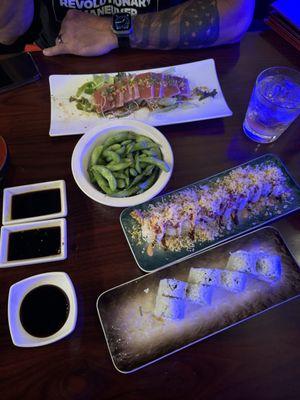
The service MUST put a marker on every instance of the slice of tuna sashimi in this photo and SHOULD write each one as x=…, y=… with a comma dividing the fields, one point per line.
x=99, y=101
x=105, y=98
x=145, y=85
x=184, y=86
x=169, y=87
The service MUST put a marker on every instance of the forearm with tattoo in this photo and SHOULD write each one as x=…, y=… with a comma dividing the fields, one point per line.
x=15, y=19
x=191, y=25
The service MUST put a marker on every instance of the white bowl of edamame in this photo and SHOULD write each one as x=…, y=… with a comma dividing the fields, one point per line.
x=122, y=163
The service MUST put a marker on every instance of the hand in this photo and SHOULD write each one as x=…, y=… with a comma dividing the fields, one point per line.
x=84, y=34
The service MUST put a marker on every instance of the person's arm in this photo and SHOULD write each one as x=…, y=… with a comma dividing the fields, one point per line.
x=193, y=24
x=15, y=19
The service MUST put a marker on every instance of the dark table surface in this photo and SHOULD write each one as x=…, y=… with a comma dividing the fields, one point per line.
x=258, y=359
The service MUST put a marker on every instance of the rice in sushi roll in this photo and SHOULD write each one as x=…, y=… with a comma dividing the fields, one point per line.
x=205, y=276
x=169, y=308
x=242, y=261
x=199, y=294
x=233, y=280
x=268, y=267
x=172, y=288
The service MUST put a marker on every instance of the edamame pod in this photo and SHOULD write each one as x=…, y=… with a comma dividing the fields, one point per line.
x=129, y=148
x=127, y=181
x=111, y=156
x=142, y=145
x=130, y=158
x=126, y=192
x=137, y=179
x=137, y=164
x=132, y=172
x=148, y=182
x=153, y=152
x=121, y=150
x=158, y=163
x=121, y=183
x=119, y=175
x=126, y=142
x=96, y=153
x=149, y=169
x=140, y=138
x=114, y=147
x=101, y=182
x=118, y=167
x=107, y=174
x=118, y=138
x=91, y=175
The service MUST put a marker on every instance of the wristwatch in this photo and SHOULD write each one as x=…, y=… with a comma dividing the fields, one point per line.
x=122, y=28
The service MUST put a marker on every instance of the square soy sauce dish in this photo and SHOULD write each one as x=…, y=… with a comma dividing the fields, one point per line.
x=36, y=202
x=33, y=243
x=42, y=309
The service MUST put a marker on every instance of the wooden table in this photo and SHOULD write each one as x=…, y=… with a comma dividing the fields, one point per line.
x=258, y=359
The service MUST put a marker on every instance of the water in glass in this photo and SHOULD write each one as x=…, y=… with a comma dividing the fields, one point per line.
x=274, y=105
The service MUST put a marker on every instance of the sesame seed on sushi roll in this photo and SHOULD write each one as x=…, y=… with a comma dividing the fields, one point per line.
x=172, y=288
x=205, y=276
x=242, y=261
x=199, y=294
x=268, y=267
x=233, y=280
x=169, y=308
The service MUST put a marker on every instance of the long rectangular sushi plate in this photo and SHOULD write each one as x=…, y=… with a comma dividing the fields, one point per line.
x=162, y=257
x=136, y=338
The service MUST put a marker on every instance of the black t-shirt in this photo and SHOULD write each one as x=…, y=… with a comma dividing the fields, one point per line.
x=50, y=13
x=107, y=7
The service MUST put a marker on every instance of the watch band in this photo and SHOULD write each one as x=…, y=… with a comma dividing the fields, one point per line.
x=123, y=41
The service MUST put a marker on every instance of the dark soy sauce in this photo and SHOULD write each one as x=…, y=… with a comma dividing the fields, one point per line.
x=34, y=243
x=44, y=310
x=33, y=204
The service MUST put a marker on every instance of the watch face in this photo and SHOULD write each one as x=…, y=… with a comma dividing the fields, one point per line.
x=122, y=22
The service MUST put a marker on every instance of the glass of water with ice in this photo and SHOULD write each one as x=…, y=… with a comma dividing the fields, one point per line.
x=274, y=104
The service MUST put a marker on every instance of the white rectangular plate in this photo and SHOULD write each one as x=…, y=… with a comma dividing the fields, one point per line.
x=7, y=229
x=66, y=119
x=136, y=338
x=8, y=193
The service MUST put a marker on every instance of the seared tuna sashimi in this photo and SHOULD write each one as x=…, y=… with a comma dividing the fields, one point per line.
x=144, y=86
